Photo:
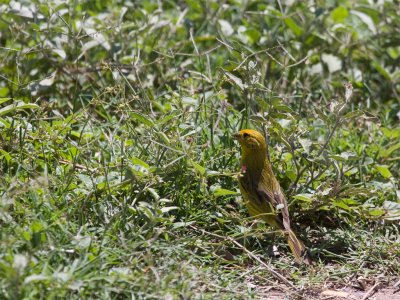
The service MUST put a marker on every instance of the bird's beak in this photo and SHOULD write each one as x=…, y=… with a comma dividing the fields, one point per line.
x=236, y=136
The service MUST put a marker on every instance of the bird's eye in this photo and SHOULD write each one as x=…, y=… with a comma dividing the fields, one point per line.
x=245, y=134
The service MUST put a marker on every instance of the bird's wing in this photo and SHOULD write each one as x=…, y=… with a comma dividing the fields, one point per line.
x=278, y=204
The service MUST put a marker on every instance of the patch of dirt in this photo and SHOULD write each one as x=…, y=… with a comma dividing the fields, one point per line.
x=373, y=292
x=386, y=293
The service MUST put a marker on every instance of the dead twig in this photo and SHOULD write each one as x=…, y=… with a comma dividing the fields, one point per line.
x=371, y=290
x=276, y=274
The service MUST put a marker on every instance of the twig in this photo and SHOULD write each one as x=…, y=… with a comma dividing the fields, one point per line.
x=371, y=291
x=339, y=120
x=271, y=270
x=259, y=52
x=193, y=42
x=397, y=284
x=298, y=62
x=225, y=44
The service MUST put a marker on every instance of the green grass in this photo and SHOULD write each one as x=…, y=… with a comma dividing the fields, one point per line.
x=117, y=166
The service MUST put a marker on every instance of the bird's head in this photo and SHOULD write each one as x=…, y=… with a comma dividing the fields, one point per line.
x=251, y=140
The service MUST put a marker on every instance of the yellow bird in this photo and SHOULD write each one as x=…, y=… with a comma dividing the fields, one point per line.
x=261, y=190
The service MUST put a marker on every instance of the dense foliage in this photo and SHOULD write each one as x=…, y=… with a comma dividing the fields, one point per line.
x=118, y=171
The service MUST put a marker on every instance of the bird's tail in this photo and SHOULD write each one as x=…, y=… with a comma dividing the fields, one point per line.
x=298, y=249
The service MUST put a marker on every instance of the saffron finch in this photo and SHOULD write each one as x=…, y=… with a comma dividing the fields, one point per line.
x=261, y=190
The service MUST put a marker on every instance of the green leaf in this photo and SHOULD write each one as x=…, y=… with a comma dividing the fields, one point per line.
x=282, y=107
x=376, y=212
x=339, y=14
x=138, y=161
x=297, y=30
x=384, y=153
x=5, y=154
x=26, y=235
x=353, y=114
x=291, y=175
x=141, y=119
x=391, y=133
x=304, y=197
x=349, y=190
x=218, y=192
x=381, y=70
x=199, y=168
x=4, y=91
x=253, y=34
x=384, y=171
x=5, y=123
x=2, y=100
x=342, y=205
x=153, y=193
x=236, y=80
x=37, y=226
x=17, y=105
x=351, y=171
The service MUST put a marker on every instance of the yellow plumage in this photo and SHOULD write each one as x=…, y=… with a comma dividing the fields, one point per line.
x=261, y=191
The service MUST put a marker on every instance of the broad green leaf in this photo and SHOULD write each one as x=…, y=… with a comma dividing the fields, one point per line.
x=37, y=226
x=236, y=80
x=164, y=137
x=165, y=119
x=391, y=133
x=83, y=135
x=351, y=190
x=5, y=154
x=377, y=65
x=2, y=100
x=304, y=197
x=284, y=108
x=376, y=212
x=291, y=175
x=384, y=153
x=142, y=119
x=296, y=29
x=17, y=105
x=353, y=114
x=342, y=205
x=199, y=168
x=218, y=192
x=384, y=171
x=153, y=193
x=253, y=34
x=4, y=91
x=351, y=171
x=348, y=155
x=339, y=14
x=138, y=161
